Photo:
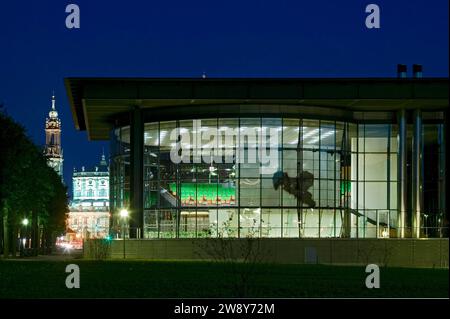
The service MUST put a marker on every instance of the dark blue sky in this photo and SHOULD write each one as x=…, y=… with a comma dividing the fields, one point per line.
x=185, y=38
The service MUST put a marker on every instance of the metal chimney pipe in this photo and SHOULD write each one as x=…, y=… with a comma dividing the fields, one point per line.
x=417, y=71
x=401, y=71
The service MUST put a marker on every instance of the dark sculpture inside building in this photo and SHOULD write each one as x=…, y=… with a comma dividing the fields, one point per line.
x=297, y=186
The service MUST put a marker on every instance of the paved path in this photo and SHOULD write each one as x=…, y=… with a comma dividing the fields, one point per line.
x=54, y=257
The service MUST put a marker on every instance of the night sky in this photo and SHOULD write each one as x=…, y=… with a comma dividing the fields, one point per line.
x=186, y=38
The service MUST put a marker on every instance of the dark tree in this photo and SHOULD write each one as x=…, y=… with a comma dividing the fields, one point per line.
x=28, y=189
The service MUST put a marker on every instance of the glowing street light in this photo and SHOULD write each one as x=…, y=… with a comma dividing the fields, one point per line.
x=123, y=216
x=123, y=213
x=25, y=223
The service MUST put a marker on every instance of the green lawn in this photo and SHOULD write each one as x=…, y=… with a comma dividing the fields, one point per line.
x=46, y=279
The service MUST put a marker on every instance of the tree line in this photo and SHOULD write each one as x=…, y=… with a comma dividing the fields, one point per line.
x=33, y=199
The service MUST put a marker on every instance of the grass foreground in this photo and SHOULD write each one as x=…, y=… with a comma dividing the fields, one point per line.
x=185, y=279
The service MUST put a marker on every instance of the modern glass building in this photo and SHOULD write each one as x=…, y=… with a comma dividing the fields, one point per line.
x=280, y=158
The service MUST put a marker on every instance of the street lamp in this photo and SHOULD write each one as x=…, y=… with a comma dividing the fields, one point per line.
x=123, y=216
x=25, y=223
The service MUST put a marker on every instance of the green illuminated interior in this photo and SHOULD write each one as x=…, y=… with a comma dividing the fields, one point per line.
x=204, y=192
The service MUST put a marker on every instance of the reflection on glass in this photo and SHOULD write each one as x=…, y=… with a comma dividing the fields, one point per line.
x=329, y=179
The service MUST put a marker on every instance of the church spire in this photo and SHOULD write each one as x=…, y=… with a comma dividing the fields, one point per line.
x=103, y=160
x=53, y=151
x=53, y=114
x=53, y=100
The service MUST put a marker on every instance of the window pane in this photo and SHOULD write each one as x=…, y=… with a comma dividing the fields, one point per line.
x=249, y=192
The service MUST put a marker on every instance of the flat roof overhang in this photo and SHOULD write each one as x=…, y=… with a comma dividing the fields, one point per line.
x=96, y=103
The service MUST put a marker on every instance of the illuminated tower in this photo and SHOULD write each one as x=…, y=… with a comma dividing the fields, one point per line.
x=53, y=151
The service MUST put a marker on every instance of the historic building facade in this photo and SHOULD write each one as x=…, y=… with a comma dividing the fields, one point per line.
x=52, y=150
x=89, y=208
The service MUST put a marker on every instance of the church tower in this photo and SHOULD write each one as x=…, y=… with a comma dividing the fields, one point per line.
x=52, y=150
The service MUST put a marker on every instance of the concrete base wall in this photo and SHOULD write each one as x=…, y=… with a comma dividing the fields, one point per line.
x=390, y=252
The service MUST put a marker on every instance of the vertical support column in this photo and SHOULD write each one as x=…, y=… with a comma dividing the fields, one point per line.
x=347, y=154
x=401, y=173
x=136, y=173
x=417, y=173
x=112, y=182
x=301, y=225
x=443, y=213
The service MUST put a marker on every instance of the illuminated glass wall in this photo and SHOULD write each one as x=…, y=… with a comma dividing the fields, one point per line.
x=119, y=177
x=434, y=220
x=311, y=178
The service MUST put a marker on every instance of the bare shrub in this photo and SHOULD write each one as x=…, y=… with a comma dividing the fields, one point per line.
x=98, y=249
x=245, y=258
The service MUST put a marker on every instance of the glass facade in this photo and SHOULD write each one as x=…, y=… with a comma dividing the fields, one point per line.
x=273, y=177
x=434, y=222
